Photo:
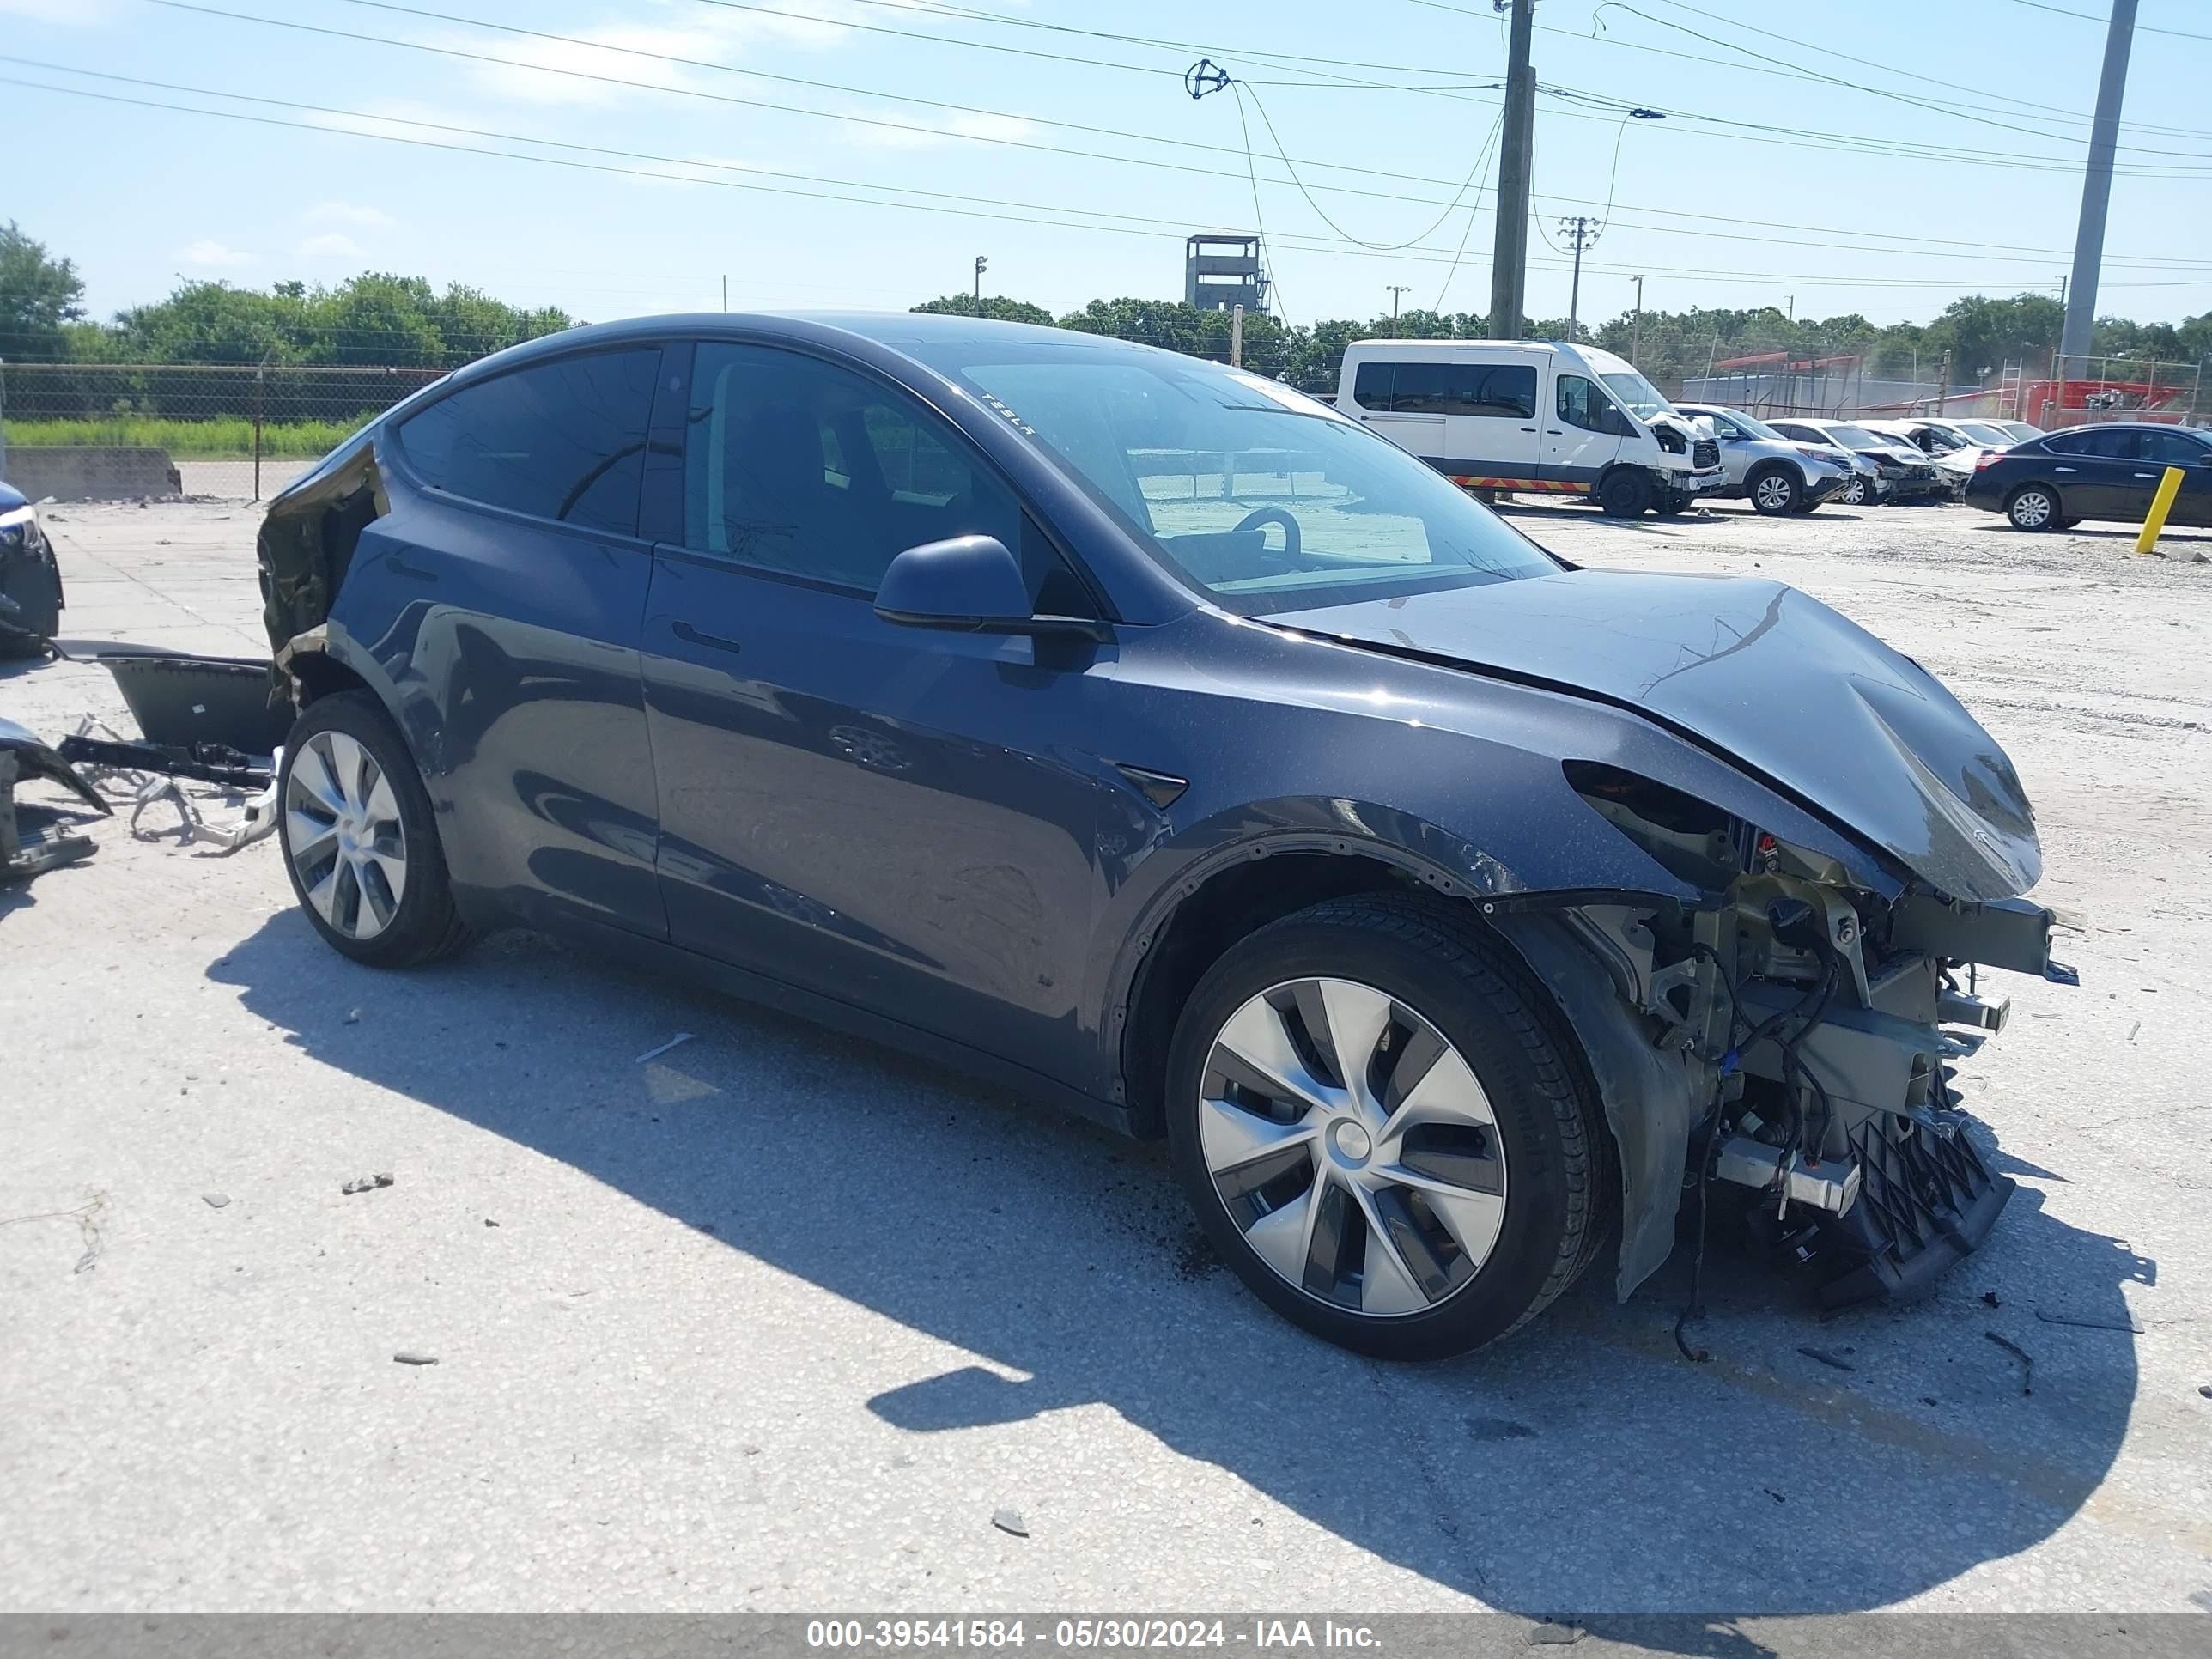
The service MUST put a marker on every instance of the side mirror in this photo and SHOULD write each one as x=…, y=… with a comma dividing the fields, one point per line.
x=970, y=584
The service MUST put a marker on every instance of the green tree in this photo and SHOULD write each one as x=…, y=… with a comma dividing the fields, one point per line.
x=996, y=305
x=39, y=295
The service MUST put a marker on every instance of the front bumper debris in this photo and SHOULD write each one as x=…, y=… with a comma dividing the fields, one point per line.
x=35, y=838
x=1926, y=1200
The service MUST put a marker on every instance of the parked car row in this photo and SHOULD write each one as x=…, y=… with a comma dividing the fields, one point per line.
x=2054, y=481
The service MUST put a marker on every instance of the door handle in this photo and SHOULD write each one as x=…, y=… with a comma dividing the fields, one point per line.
x=2146, y=475
x=1553, y=432
x=2065, y=468
x=1528, y=429
x=397, y=562
x=699, y=636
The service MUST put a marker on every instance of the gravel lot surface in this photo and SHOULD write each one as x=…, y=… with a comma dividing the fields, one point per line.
x=780, y=1321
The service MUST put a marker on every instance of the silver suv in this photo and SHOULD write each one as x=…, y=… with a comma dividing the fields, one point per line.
x=1775, y=474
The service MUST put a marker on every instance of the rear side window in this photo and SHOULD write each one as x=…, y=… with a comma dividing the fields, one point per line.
x=2107, y=443
x=1495, y=390
x=563, y=440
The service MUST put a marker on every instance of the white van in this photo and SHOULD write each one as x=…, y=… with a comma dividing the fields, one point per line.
x=1498, y=415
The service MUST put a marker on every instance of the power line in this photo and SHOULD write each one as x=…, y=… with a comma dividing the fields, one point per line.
x=1136, y=226
x=699, y=93
x=2091, y=17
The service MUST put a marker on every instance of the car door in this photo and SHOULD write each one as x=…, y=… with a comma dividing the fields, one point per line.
x=508, y=582
x=2094, y=468
x=2162, y=449
x=899, y=818
x=1395, y=399
x=1585, y=433
x=1490, y=420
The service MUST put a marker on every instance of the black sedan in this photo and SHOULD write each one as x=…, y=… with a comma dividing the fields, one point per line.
x=1149, y=737
x=2105, y=472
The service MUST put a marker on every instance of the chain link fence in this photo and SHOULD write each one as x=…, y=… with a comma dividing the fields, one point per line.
x=232, y=431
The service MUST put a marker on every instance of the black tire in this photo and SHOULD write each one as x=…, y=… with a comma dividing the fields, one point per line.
x=36, y=588
x=1857, y=493
x=1671, y=504
x=1558, y=1156
x=1775, y=491
x=1624, y=494
x=2035, y=507
x=424, y=925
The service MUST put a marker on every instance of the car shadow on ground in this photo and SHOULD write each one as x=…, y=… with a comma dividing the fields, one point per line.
x=1581, y=1465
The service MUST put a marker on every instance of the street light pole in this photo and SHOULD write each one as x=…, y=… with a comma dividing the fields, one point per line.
x=1396, y=290
x=1508, y=270
x=980, y=262
x=1636, y=328
x=1584, y=231
x=2097, y=182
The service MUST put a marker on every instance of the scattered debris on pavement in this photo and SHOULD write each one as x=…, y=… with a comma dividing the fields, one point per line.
x=1011, y=1522
x=216, y=1201
x=1828, y=1358
x=368, y=1183
x=409, y=1356
x=35, y=838
x=2027, y=1360
x=655, y=1053
x=2089, y=1321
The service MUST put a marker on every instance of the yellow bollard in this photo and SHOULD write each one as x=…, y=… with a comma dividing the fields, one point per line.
x=2161, y=503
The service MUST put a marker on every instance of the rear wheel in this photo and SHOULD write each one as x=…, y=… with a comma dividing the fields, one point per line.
x=360, y=842
x=2033, y=507
x=1624, y=494
x=1378, y=1128
x=1775, y=491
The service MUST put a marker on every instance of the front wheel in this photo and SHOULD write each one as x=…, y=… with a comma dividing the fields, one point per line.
x=1671, y=504
x=1776, y=491
x=2033, y=507
x=360, y=842
x=1378, y=1127
x=1624, y=494
x=1854, y=493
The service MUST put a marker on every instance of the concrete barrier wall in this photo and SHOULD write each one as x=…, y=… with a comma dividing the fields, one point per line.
x=91, y=473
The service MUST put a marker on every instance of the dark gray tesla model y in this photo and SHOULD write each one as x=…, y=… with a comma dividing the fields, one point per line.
x=1141, y=733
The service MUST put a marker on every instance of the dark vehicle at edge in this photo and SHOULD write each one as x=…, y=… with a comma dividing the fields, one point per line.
x=1148, y=737
x=2109, y=471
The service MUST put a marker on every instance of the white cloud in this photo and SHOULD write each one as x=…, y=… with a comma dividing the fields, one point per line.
x=332, y=245
x=636, y=50
x=210, y=255
x=80, y=12
x=347, y=213
x=910, y=135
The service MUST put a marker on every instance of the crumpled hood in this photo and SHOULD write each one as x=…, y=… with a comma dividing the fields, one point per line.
x=1757, y=671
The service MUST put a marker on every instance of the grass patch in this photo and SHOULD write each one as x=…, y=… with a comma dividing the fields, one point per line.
x=222, y=438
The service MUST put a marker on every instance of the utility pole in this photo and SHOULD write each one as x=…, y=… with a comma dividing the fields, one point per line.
x=1793, y=307
x=980, y=262
x=1636, y=328
x=1509, y=271
x=725, y=293
x=1236, y=336
x=1397, y=290
x=1942, y=383
x=2097, y=182
x=1582, y=231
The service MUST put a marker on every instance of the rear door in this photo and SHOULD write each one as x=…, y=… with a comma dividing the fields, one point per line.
x=2095, y=471
x=506, y=591
x=1491, y=436
x=1585, y=433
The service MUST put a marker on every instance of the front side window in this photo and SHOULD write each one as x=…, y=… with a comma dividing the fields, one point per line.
x=1265, y=499
x=805, y=469
x=2105, y=443
x=2171, y=449
x=1372, y=388
x=563, y=440
x=1584, y=404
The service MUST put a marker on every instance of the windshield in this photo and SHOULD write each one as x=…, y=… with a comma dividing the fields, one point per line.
x=1264, y=497
x=1638, y=395
x=1985, y=432
x=1857, y=437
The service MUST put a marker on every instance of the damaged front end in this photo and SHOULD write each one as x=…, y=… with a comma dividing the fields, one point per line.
x=1822, y=1016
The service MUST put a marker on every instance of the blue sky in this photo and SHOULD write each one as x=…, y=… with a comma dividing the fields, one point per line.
x=1770, y=211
